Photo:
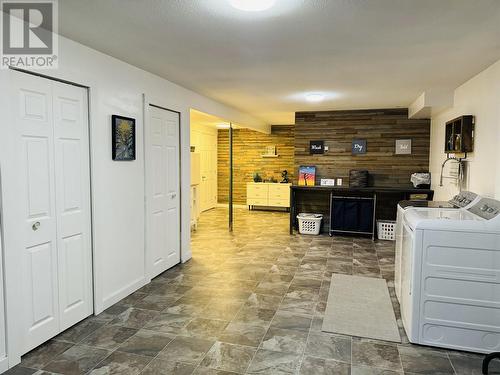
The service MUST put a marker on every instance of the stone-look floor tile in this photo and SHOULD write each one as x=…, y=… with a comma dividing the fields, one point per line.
x=371, y=354
x=20, y=370
x=186, y=349
x=306, y=294
x=109, y=337
x=420, y=360
x=111, y=312
x=270, y=362
x=228, y=357
x=263, y=301
x=277, y=288
x=155, y=302
x=211, y=371
x=81, y=330
x=134, y=318
x=162, y=367
x=320, y=366
x=121, y=363
x=471, y=364
x=131, y=299
x=243, y=334
x=253, y=316
x=42, y=355
x=328, y=346
x=298, y=306
x=286, y=320
x=77, y=360
x=168, y=323
x=146, y=343
x=221, y=309
x=363, y=370
x=205, y=327
x=285, y=340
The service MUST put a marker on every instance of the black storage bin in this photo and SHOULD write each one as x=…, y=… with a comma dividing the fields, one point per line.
x=351, y=215
x=358, y=179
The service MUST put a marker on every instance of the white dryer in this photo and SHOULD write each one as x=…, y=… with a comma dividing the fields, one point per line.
x=464, y=199
x=450, y=276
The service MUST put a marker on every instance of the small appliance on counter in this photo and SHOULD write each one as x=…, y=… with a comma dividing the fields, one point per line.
x=421, y=180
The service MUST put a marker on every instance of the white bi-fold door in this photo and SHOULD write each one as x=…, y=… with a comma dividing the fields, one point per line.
x=52, y=203
x=162, y=190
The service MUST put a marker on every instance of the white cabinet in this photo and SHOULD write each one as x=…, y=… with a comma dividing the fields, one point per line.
x=268, y=194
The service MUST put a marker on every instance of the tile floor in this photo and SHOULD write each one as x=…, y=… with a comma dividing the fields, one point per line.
x=251, y=302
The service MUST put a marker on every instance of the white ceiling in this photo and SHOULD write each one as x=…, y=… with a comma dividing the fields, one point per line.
x=361, y=53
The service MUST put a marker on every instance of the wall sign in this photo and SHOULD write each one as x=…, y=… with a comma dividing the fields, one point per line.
x=403, y=146
x=359, y=146
x=317, y=147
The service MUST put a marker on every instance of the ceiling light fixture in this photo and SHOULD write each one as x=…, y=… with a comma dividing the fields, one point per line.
x=252, y=5
x=315, y=97
x=223, y=126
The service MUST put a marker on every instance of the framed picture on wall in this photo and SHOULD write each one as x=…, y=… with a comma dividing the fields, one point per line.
x=307, y=175
x=403, y=146
x=123, y=138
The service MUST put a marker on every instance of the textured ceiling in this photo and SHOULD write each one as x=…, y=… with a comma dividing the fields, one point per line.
x=361, y=53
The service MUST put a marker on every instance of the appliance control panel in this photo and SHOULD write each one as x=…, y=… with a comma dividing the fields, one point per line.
x=464, y=198
x=486, y=208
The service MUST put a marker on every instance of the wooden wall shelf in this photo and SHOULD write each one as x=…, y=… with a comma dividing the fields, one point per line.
x=459, y=135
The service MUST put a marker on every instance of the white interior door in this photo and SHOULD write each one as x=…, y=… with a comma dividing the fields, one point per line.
x=204, y=138
x=162, y=190
x=72, y=203
x=52, y=200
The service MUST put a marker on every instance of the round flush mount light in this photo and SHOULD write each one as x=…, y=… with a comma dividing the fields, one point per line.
x=315, y=97
x=252, y=5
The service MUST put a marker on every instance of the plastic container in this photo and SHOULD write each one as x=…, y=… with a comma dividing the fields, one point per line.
x=386, y=230
x=309, y=223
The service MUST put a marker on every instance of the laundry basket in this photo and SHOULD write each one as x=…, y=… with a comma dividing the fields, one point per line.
x=309, y=223
x=386, y=230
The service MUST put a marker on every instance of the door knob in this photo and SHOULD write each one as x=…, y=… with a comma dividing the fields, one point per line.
x=35, y=226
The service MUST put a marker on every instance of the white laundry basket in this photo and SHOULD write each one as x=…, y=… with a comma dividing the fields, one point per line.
x=386, y=230
x=309, y=223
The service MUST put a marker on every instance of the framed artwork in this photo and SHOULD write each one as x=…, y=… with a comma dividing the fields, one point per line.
x=316, y=147
x=403, y=146
x=123, y=138
x=307, y=175
x=359, y=146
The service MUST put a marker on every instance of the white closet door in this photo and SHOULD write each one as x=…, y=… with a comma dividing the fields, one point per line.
x=33, y=129
x=73, y=203
x=162, y=189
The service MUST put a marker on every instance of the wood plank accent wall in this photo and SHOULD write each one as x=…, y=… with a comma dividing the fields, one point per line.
x=248, y=147
x=380, y=127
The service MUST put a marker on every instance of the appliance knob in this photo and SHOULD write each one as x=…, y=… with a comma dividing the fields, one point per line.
x=484, y=208
x=467, y=201
x=490, y=210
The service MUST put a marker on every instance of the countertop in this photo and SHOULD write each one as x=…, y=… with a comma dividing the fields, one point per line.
x=369, y=189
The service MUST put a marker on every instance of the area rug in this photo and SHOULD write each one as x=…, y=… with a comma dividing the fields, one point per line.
x=360, y=306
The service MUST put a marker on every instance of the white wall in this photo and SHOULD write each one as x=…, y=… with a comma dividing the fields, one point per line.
x=480, y=96
x=118, y=187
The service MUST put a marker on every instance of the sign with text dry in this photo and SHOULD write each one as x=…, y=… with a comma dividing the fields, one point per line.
x=359, y=146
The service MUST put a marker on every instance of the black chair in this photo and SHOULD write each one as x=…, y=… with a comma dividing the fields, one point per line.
x=488, y=359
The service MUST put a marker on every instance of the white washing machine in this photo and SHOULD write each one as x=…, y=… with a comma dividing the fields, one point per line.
x=462, y=200
x=450, y=276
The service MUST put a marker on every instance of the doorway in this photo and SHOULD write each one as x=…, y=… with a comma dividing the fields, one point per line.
x=162, y=153
x=47, y=216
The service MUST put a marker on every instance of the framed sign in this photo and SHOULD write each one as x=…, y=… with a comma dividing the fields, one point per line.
x=317, y=147
x=403, y=146
x=123, y=138
x=359, y=146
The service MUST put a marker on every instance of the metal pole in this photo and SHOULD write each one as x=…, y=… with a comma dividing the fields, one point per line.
x=230, y=177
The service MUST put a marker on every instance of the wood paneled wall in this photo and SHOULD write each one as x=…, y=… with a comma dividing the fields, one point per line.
x=248, y=147
x=380, y=127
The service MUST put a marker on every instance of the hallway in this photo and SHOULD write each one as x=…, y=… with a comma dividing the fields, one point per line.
x=250, y=302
